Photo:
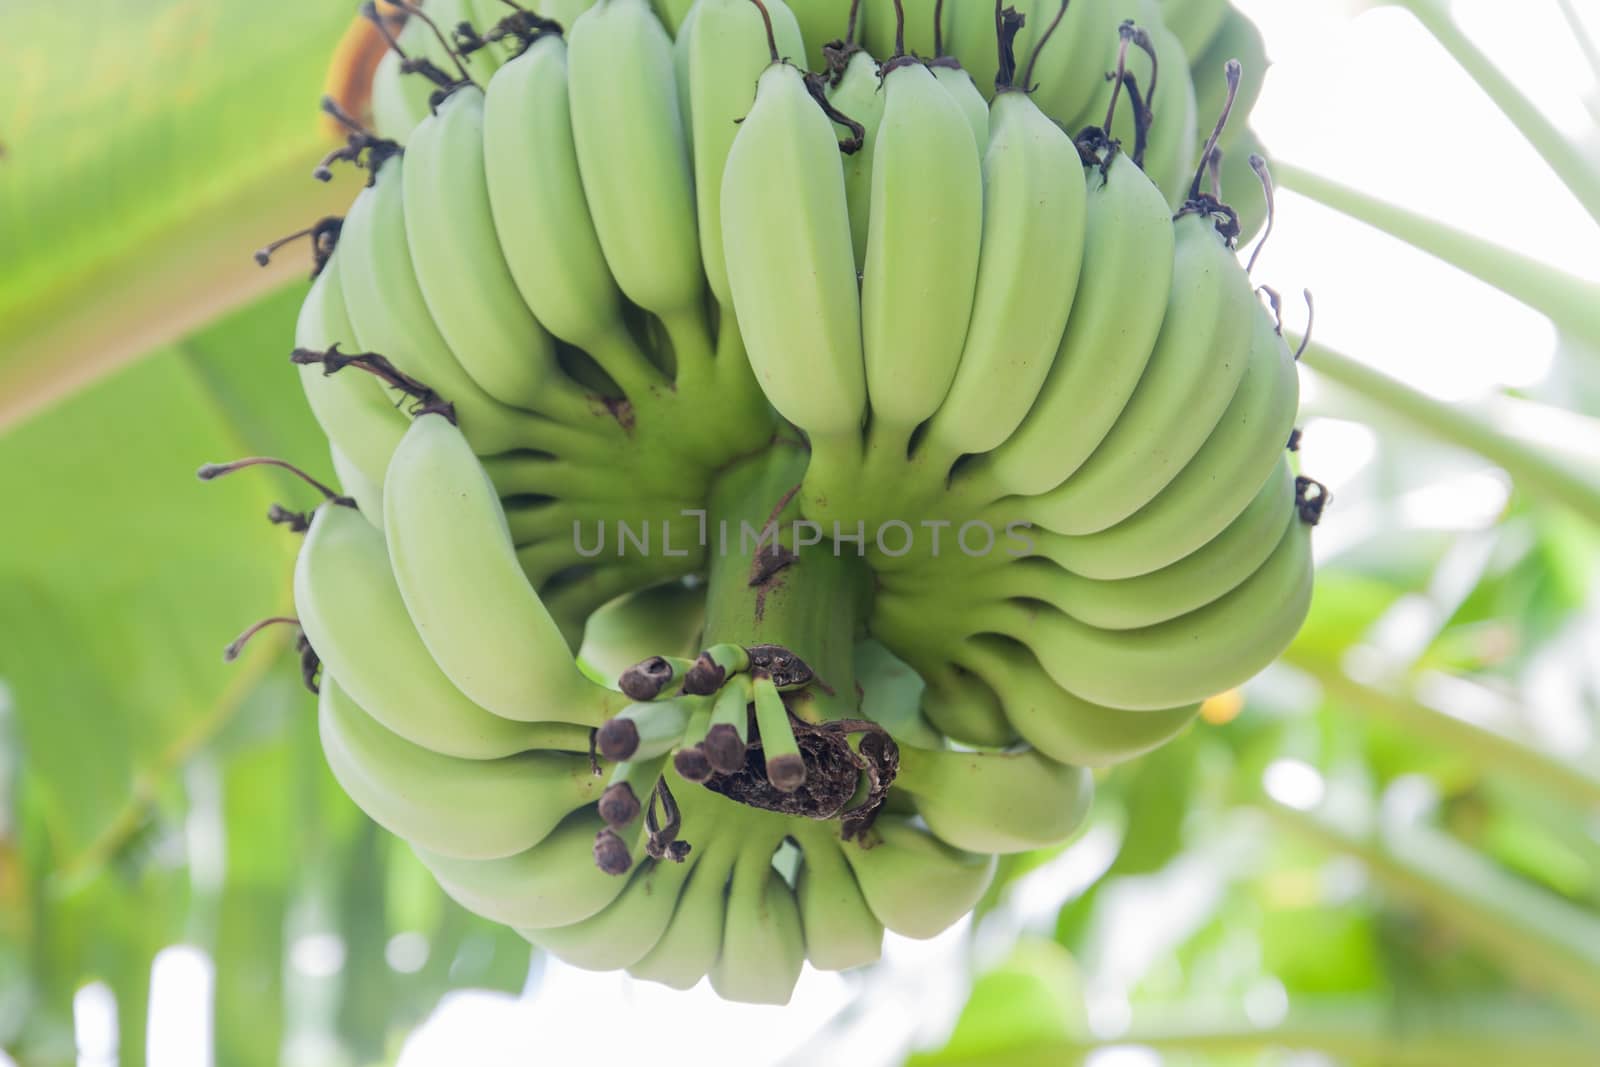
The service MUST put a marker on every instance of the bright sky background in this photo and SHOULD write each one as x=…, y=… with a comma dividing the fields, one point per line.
x=1368, y=100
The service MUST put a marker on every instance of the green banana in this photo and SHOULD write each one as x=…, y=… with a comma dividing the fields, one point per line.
x=1065, y=727
x=465, y=809
x=1151, y=597
x=353, y=615
x=352, y=408
x=994, y=801
x=1122, y=298
x=964, y=91
x=1191, y=376
x=915, y=884
x=454, y=562
x=629, y=927
x=922, y=252
x=856, y=95
x=634, y=158
x=554, y=883
x=727, y=51
x=692, y=943
x=450, y=230
x=786, y=233
x=1215, y=486
x=390, y=316
x=398, y=102
x=763, y=948
x=1066, y=70
x=1032, y=248
x=1180, y=661
x=367, y=494
x=840, y=930
x=1195, y=23
x=891, y=694
x=542, y=218
x=666, y=619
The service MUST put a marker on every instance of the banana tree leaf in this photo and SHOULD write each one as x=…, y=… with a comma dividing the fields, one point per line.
x=145, y=151
x=123, y=576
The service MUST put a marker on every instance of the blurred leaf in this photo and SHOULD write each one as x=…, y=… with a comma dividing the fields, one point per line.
x=148, y=148
x=125, y=576
x=1034, y=998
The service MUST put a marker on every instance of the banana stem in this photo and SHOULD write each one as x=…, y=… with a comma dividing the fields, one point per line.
x=1488, y=748
x=1568, y=301
x=1533, y=469
x=1540, y=937
x=1565, y=158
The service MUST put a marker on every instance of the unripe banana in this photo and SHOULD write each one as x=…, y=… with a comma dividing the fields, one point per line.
x=969, y=36
x=964, y=91
x=666, y=619
x=1195, y=22
x=1065, y=727
x=786, y=232
x=542, y=217
x=1066, y=70
x=1215, y=486
x=634, y=157
x=891, y=694
x=995, y=802
x=962, y=706
x=1190, y=378
x=840, y=930
x=915, y=884
x=690, y=947
x=399, y=101
x=1187, y=659
x=630, y=926
x=390, y=316
x=1033, y=226
x=554, y=883
x=367, y=494
x=922, y=251
x=352, y=407
x=352, y=612
x=857, y=95
x=1122, y=298
x=463, y=274
x=457, y=570
x=763, y=948
x=727, y=51
x=1185, y=585
x=466, y=809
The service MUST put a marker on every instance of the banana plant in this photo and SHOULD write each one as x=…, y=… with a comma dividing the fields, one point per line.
x=447, y=355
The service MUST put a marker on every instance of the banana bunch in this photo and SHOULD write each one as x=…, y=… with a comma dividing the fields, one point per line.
x=766, y=494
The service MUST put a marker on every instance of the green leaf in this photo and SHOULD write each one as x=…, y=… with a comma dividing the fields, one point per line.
x=125, y=576
x=148, y=149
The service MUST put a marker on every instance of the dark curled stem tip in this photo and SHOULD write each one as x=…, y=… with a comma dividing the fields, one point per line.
x=236, y=646
x=416, y=12
x=1231, y=70
x=310, y=663
x=618, y=805
x=1311, y=322
x=1044, y=39
x=1141, y=41
x=1276, y=303
x=692, y=764
x=594, y=757
x=1294, y=440
x=1118, y=77
x=858, y=133
x=212, y=471
x=1214, y=171
x=297, y=521
x=662, y=841
x=424, y=400
x=1311, y=499
x=1008, y=22
x=618, y=739
x=1264, y=175
x=1141, y=118
x=836, y=60
x=772, y=38
x=611, y=853
x=324, y=236
x=645, y=680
